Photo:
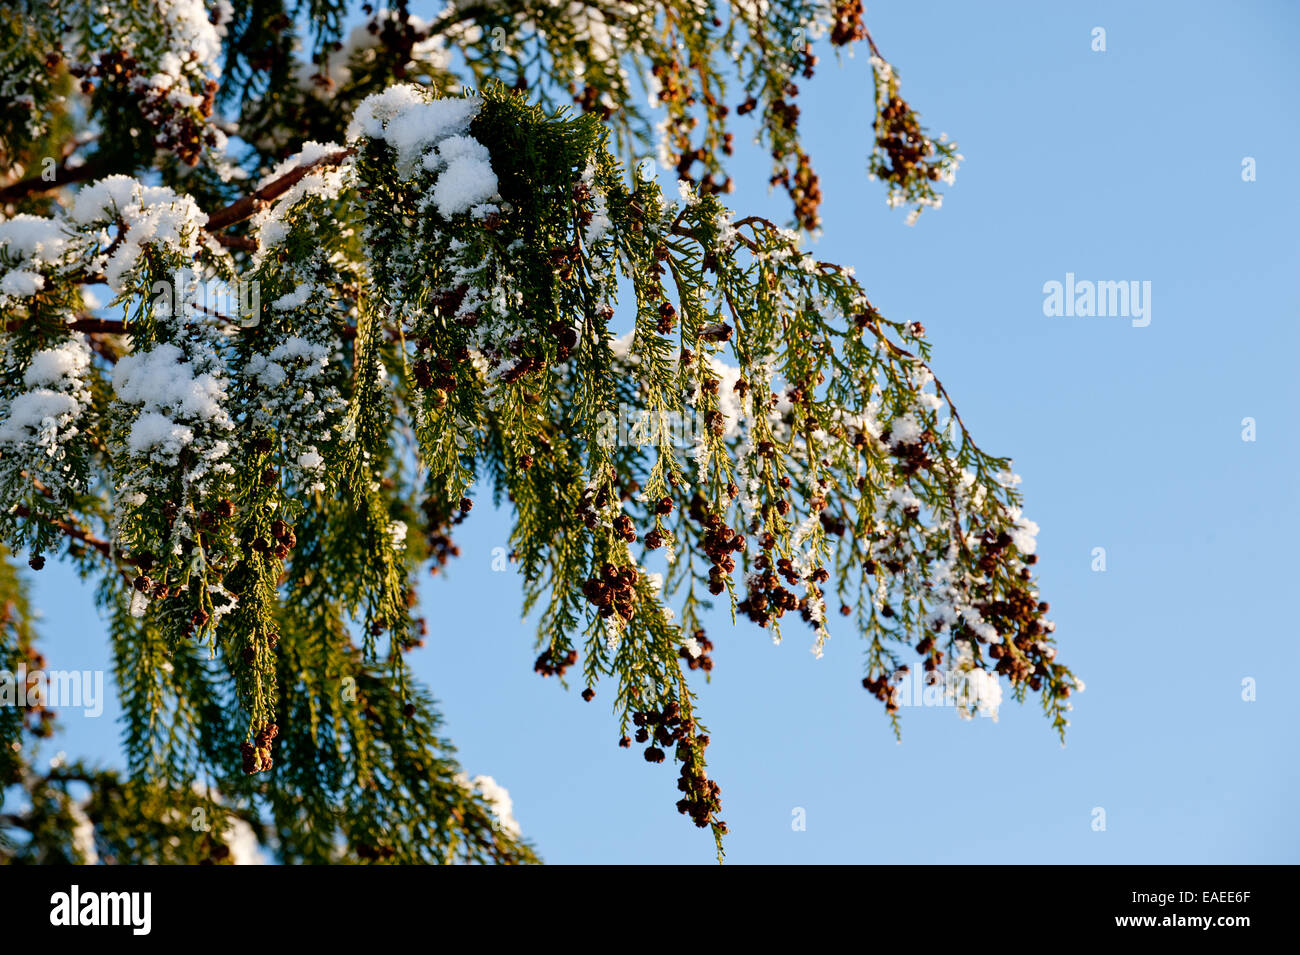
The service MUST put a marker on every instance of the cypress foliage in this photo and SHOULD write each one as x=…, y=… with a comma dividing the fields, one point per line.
x=351, y=292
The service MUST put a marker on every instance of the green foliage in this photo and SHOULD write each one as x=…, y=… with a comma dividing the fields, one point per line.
x=436, y=279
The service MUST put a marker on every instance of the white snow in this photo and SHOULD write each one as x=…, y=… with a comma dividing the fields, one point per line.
x=410, y=123
x=904, y=429
x=35, y=425
x=498, y=798
x=178, y=407
x=34, y=412
x=32, y=237
x=311, y=152
x=161, y=379
x=323, y=182
x=467, y=178
x=58, y=366
x=973, y=689
x=21, y=283
x=298, y=297
x=1024, y=533
x=155, y=431
x=431, y=135
x=147, y=215
x=192, y=34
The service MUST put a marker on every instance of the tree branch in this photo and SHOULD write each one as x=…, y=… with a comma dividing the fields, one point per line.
x=244, y=208
x=87, y=324
x=71, y=530
x=63, y=175
x=99, y=326
x=241, y=242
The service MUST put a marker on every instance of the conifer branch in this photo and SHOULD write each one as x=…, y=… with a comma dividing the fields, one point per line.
x=438, y=284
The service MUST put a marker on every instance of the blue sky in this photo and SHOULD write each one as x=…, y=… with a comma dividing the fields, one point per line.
x=1122, y=165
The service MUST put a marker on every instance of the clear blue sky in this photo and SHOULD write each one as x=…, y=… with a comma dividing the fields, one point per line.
x=1122, y=165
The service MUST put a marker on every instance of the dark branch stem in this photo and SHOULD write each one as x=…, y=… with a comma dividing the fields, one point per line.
x=87, y=324
x=70, y=529
x=63, y=175
x=242, y=242
x=245, y=208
